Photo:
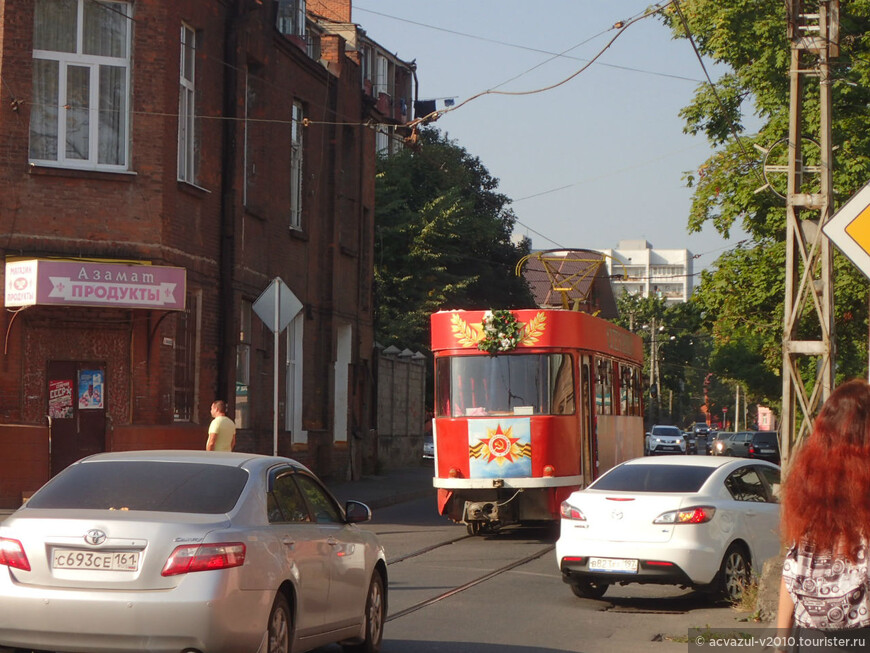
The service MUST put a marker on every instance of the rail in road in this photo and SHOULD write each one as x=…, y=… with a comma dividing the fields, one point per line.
x=466, y=585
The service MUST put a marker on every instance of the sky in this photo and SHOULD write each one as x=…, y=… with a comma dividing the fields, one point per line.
x=598, y=159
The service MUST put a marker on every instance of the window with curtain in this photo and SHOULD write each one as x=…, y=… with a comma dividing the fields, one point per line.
x=296, y=152
x=291, y=17
x=81, y=84
x=187, y=141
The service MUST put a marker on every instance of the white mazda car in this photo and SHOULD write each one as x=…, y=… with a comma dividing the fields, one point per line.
x=702, y=522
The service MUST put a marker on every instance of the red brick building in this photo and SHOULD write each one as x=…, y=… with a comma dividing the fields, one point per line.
x=161, y=163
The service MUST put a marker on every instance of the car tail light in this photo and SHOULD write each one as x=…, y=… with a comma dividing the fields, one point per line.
x=12, y=554
x=570, y=512
x=696, y=515
x=751, y=450
x=204, y=557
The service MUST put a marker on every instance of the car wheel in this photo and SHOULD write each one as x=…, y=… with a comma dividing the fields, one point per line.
x=588, y=589
x=734, y=573
x=374, y=618
x=279, y=626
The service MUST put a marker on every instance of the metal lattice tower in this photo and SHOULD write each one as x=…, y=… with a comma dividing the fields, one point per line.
x=809, y=300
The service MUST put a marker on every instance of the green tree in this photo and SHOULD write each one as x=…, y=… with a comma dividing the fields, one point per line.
x=443, y=240
x=742, y=296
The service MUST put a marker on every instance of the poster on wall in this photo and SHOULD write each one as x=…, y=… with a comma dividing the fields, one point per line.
x=60, y=399
x=90, y=389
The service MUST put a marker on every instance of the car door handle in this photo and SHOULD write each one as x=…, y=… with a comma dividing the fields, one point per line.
x=332, y=541
x=750, y=513
x=289, y=542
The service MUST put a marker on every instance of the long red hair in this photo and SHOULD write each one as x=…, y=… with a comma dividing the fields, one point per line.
x=826, y=500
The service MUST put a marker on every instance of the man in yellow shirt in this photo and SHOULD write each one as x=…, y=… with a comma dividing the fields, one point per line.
x=222, y=430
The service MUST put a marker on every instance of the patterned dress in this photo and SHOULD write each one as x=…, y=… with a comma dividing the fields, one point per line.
x=829, y=591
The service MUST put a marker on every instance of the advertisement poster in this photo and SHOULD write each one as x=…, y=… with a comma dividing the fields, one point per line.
x=90, y=389
x=60, y=399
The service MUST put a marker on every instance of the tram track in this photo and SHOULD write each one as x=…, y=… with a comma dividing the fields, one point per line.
x=427, y=549
x=467, y=585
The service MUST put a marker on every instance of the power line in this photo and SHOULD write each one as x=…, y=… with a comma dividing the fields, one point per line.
x=553, y=55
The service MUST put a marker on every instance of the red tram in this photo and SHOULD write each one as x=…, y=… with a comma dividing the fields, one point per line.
x=530, y=405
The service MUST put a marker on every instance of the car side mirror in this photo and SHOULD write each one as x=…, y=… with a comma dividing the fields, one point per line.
x=356, y=512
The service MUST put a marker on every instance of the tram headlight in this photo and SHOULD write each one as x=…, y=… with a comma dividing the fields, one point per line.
x=549, y=471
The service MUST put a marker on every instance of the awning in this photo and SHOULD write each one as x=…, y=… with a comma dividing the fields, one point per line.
x=93, y=283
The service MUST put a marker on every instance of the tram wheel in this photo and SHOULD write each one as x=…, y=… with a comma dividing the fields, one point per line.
x=474, y=528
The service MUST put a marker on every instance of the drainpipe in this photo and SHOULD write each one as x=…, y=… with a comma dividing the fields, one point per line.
x=226, y=261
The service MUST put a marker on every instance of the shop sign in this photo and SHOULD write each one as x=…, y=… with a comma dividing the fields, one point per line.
x=86, y=283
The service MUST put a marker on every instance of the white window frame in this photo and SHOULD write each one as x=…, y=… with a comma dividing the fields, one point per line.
x=187, y=164
x=293, y=381
x=92, y=63
x=296, y=164
x=291, y=17
x=243, y=366
x=341, y=375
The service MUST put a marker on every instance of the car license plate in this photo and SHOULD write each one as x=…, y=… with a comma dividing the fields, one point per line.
x=95, y=560
x=615, y=565
x=765, y=451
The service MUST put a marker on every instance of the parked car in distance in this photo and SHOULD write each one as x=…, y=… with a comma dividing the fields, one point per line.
x=195, y=551
x=703, y=436
x=701, y=522
x=720, y=443
x=428, y=447
x=663, y=439
x=763, y=445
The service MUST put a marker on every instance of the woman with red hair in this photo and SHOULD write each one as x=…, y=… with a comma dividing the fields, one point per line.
x=826, y=522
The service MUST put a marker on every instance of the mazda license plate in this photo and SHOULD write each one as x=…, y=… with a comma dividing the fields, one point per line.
x=613, y=565
x=95, y=560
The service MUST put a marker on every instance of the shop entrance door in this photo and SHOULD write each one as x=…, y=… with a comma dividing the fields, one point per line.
x=77, y=408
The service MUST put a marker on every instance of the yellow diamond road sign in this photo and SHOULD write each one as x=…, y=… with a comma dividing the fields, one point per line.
x=849, y=229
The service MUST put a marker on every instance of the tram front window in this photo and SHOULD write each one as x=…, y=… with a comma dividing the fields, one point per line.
x=515, y=384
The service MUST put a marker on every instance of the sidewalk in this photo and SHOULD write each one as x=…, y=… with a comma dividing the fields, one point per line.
x=386, y=489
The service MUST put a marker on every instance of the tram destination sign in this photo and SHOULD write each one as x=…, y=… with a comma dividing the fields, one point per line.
x=88, y=283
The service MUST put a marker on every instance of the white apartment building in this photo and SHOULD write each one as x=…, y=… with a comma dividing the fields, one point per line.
x=636, y=267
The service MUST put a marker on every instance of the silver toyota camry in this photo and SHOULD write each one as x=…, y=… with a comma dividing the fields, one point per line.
x=189, y=552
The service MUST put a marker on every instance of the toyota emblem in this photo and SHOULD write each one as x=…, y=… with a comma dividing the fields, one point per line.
x=95, y=536
x=616, y=514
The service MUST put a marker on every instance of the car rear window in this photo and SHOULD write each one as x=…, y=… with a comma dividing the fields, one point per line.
x=144, y=485
x=765, y=438
x=653, y=478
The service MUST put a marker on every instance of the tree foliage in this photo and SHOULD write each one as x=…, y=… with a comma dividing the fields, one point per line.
x=443, y=240
x=743, y=295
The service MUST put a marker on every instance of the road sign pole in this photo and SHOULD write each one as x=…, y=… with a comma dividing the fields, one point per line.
x=275, y=370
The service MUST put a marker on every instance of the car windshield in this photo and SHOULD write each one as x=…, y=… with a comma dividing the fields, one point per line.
x=653, y=478
x=144, y=485
x=667, y=430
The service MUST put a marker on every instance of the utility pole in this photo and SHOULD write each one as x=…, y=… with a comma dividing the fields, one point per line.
x=814, y=41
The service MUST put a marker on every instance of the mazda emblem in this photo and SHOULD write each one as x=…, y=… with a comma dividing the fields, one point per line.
x=95, y=536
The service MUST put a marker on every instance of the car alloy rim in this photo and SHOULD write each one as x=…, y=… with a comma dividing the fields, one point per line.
x=735, y=575
x=375, y=612
x=278, y=635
